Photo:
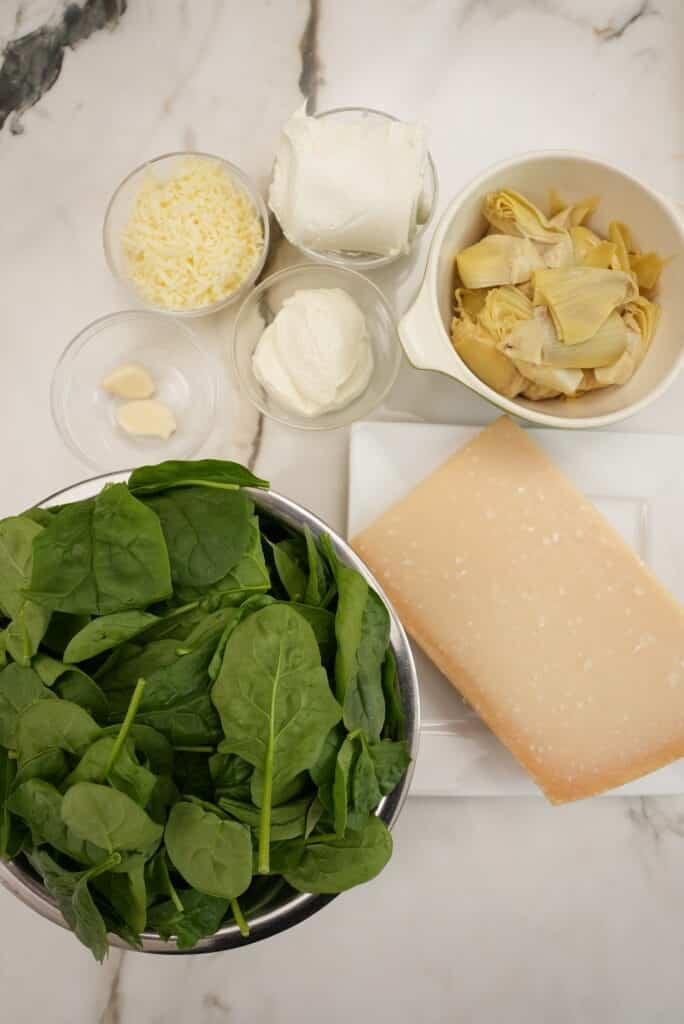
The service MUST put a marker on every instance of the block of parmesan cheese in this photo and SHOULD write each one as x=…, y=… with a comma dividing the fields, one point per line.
x=538, y=613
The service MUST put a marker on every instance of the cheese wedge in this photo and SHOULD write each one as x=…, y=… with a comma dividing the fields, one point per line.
x=538, y=613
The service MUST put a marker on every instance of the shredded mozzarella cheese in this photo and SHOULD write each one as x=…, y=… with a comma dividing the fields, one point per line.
x=192, y=239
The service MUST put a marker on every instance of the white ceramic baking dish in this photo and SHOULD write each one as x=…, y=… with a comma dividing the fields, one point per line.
x=657, y=224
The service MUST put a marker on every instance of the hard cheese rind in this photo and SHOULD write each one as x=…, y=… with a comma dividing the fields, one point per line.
x=538, y=613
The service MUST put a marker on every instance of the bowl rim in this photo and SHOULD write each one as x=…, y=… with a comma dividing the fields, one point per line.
x=270, y=922
x=312, y=268
x=428, y=285
x=213, y=376
x=254, y=195
x=369, y=261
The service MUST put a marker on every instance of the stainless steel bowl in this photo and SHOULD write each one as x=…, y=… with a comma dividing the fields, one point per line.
x=16, y=877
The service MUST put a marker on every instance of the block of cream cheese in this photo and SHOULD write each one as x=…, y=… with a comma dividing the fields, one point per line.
x=539, y=613
x=349, y=186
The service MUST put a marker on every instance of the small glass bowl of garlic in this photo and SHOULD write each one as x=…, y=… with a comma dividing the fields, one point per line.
x=134, y=387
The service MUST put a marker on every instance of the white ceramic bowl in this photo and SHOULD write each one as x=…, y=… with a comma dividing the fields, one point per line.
x=657, y=224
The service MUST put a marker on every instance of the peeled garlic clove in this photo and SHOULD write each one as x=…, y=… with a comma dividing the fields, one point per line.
x=147, y=418
x=129, y=381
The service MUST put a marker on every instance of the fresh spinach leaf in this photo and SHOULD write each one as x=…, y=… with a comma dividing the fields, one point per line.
x=203, y=473
x=328, y=865
x=126, y=774
x=108, y=818
x=163, y=796
x=29, y=621
x=323, y=770
x=314, y=815
x=79, y=688
x=158, y=881
x=250, y=576
x=391, y=759
x=323, y=624
x=55, y=723
x=50, y=764
x=318, y=583
x=39, y=805
x=252, y=604
x=38, y=515
x=274, y=700
x=201, y=915
x=176, y=700
x=141, y=664
x=73, y=897
x=364, y=793
x=231, y=776
x=60, y=631
x=25, y=632
x=101, y=556
x=287, y=820
x=362, y=631
x=108, y=631
x=127, y=894
x=213, y=855
x=206, y=532
x=8, y=771
x=16, y=556
x=211, y=627
x=288, y=558
x=395, y=720
x=19, y=688
x=356, y=792
x=154, y=746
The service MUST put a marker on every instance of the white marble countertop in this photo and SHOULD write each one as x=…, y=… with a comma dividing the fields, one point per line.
x=491, y=910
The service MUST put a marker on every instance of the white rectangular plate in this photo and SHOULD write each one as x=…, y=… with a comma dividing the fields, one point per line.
x=636, y=480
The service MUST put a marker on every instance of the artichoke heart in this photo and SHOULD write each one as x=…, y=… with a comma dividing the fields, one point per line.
x=477, y=348
x=647, y=267
x=497, y=260
x=565, y=381
x=593, y=251
x=583, y=240
x=536, y=341
x=580, y=299
x=620, y=235
x=561, y=253
x=569, y=215
x=545, y=307
x=469, y=301
x=641, y=318
x=513, y=214
x=537, y=393
x=503, y=308
x=618, y=373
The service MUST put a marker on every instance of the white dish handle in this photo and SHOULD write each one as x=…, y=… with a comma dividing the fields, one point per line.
x=422, y=335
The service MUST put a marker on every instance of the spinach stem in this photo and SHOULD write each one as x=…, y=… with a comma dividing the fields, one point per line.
x=173, y=895
x=240, y=920
x=182, y=610
x=125, y=726
x=112, y=861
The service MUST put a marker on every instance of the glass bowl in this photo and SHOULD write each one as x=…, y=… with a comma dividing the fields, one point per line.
x=262, y=305
x=119, y=210
x=427, y=203
x=187, y=379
